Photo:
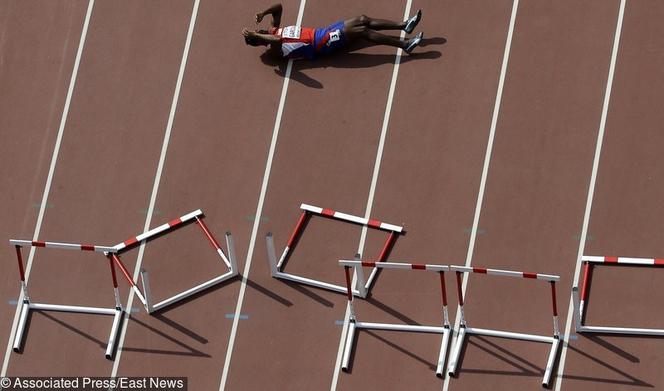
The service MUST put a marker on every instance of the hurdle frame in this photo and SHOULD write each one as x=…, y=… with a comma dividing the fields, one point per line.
x=308, y=211
x=145, y=296
x=589, y=262
x=28, y=305
x=354, y=324
x=464, y=330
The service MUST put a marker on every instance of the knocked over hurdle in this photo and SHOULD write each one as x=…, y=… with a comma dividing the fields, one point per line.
x=355, y=324
x=193, y=217
x=464, y=329
x=276, y=267
x=27, y=305
x=579, y=305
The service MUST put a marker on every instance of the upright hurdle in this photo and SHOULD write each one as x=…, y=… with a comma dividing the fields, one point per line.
x=27, y=305
x=193, y=217
x=276, y=267
x=465, y=330
x=354, y=324
x=579, y=305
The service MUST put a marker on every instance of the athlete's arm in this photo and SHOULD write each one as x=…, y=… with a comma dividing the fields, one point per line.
x=266, y=38
x=274, y=10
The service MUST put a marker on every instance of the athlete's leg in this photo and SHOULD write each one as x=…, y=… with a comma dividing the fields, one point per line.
x=375, y=24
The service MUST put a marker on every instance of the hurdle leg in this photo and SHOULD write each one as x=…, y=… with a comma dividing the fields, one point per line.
x=456, y=352
x=230, y=245
x=146, y=290
x=113, y=337
x=348, y=347
x=443, y=351
x=271, y=255
x=20, y=329
x=549, y=363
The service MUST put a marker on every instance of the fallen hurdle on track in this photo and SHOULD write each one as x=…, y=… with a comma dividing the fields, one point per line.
x=276, y=267
x=146, y=297
x=465, y=330
x=27, y=305
x=354, y=324
x=579, y=304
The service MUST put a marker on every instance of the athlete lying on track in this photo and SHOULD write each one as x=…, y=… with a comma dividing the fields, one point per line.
x=301, y=42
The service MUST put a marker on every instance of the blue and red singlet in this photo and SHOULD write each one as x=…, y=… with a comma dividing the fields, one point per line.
x=303, y=42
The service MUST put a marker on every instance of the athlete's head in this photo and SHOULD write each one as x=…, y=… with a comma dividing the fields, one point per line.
x=253, y=39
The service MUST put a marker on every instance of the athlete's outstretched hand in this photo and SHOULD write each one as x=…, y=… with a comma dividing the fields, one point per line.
x=259, y=17
x=246, y=32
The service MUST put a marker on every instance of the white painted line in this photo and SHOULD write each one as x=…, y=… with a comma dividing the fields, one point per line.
x=591, y=189
x=49, y=178
x=370, y=199
x=487, y=160
x=257, y=216
x=157, y=180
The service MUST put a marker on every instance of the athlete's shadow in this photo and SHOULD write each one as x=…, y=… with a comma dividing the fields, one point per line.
x=349, y=58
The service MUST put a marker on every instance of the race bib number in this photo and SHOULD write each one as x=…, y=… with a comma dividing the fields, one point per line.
x=334, y=36
x=292, y=32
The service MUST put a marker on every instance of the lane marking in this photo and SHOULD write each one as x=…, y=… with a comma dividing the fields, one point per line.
x=591, y=188
x=259, y=210
x=485, y=168
x=370, y=199
x=157, y=180
x=49, y=179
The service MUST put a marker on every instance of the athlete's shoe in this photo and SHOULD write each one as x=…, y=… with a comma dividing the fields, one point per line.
x=413, y=42
x=412, y=22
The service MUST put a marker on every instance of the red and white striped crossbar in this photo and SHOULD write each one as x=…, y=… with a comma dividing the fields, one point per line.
x=508, y=273
x=396, y=265
x=64, y=246
x=158, y=230
x=351, y=219
x=623, y=260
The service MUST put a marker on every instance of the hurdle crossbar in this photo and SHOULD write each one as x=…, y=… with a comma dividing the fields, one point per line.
x=145, y=296
x=464, y=329
x=580, y=302
x=354, y=324
x=277, y=266
x=28, y=305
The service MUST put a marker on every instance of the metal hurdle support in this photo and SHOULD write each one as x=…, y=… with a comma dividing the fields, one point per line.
x=354, y=324
x=146, y=297
x=277, y=266
x=465, y=330
x=27, y=305
x=579, y=304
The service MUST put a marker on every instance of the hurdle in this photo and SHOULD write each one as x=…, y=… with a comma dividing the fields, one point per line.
x=354, y=324
x=276, y=267
x=465, y=330
x=28, y=305
x=145, y=296
x=579, y=304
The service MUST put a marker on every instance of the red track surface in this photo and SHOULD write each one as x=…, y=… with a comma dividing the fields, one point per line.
x=430, y=171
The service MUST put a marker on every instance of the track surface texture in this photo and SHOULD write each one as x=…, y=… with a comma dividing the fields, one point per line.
x=520, y=135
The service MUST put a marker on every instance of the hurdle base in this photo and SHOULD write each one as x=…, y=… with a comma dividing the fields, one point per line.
x=353, y=326
x=464, y=330
x=314, y=283
x=619, y=330
x=28, y=306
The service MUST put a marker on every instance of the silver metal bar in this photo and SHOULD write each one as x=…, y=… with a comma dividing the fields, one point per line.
x=456, y=351
x=348, y=347
x=230, y=245
x=510, y=335
x=192, y=291
x=362, y=288
x=443, y=352
x=620, y=330
x=577, y=310
x=72, y=308
x=271, y=255
x=316, y=283
x=20, y=329
x=114, y=334
x=147, y=291
x=550, y=361
x=400, y=327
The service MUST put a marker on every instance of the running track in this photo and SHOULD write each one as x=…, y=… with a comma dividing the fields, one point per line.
x=487, y=157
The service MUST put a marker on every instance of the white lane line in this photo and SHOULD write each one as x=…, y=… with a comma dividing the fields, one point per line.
x=157, y=180
x=591, y=189
x=372, y=192
x=49, y=178
x=258, y=214
x=485, y=168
